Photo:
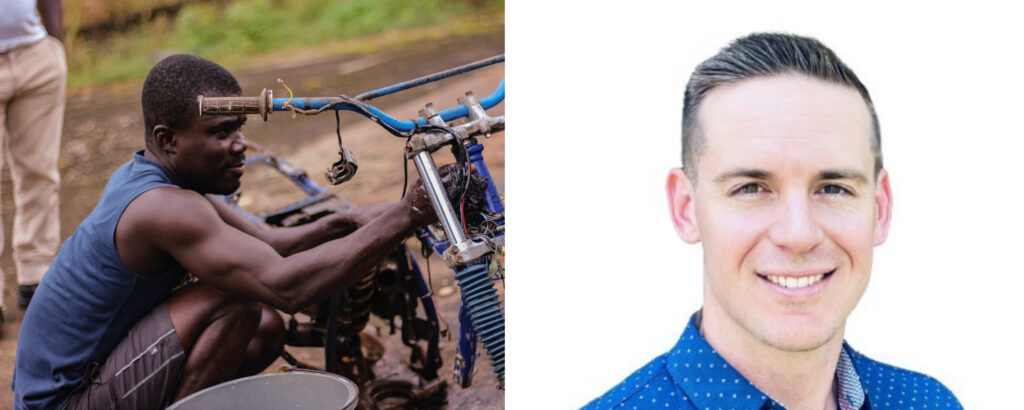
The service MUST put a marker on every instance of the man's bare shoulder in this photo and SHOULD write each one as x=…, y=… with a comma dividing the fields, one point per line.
x=169, y=210
x=158, y=223
x=168, y=195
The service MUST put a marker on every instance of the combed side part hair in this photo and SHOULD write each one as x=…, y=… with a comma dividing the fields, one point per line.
x=762, y=55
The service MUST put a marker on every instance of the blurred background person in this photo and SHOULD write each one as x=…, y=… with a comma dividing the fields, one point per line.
x=33, y=73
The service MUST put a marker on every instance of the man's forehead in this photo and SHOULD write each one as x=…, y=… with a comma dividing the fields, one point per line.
x=783, y=105
x=785, y=98
x=789, y=115
x=213, y=121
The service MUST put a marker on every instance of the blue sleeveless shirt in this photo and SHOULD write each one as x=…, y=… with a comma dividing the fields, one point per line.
x=88, y=300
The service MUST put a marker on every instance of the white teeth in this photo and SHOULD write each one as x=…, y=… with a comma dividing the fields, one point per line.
x=795, y=283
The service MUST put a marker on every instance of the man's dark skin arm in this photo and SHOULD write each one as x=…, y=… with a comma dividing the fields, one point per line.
x=50, y=14
x=287, y=241
x=211, y=323
x=165, y=225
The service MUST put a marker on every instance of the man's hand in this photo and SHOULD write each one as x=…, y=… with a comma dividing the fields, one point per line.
x=453, y=176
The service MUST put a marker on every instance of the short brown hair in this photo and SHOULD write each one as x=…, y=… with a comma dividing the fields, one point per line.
x=758, y=55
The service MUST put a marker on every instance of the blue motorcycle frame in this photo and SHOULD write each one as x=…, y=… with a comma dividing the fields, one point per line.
x=481, y=316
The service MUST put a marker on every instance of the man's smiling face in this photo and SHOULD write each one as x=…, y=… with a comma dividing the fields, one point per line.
x=787, y=205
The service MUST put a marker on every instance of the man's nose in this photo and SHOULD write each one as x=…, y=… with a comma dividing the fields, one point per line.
x=795, y=228
x=238, y=145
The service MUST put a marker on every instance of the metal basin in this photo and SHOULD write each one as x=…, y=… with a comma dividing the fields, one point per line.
x=295, y=390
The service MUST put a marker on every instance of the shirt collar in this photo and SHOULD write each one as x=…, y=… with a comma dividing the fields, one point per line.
x=710, y=382
x=850, y=392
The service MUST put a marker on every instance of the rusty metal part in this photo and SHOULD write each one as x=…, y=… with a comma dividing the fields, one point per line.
x=395, y=298
x=478, y=123
x=295, y=363
x=388, y=290
x=373, y=349
x=400, y=394
x=465, y=252
x=303, y=334
x=344, y=169
x=353, y=315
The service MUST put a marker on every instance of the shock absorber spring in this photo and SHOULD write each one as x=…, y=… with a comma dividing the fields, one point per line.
x=485, y=312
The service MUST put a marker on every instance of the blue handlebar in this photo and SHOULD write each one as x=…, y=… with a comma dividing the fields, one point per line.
x=416, y=82
x=315, y=103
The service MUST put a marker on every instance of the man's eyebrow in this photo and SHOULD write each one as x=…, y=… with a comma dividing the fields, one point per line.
x=229, y=123
x=828, y=174
x=832, y=174
x=743, y=173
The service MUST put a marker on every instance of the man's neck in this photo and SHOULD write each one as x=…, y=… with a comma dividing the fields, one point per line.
x=799, y=380
x=165, y=162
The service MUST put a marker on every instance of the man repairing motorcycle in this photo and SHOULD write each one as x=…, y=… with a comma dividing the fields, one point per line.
x=111, y=332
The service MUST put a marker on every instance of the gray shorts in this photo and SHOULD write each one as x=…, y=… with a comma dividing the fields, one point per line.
x=142, y=372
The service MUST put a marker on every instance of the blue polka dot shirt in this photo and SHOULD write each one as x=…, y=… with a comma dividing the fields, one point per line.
x=693, y=376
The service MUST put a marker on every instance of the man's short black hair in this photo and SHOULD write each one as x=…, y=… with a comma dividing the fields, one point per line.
x=169, y=95
x=763, y=55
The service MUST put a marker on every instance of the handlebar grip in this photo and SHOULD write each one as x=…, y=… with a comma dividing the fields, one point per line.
x=261, y=105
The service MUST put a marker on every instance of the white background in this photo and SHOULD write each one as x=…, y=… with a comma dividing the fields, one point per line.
x=598, y=282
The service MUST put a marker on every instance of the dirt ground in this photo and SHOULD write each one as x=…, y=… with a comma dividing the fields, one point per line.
x=102, y=130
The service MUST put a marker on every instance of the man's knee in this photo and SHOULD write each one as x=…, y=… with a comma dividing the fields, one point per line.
x=241, y=311
x=199, y=307
x=266, y=345
x=271, y=330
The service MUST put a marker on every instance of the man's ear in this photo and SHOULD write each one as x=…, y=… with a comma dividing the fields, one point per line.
x=164, y=138
x=681, y=205
x=883, y=207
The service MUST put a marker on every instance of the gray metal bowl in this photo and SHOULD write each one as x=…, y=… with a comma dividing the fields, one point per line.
x=295, y=390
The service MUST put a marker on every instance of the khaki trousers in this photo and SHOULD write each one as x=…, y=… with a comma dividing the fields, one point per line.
x=32, y=84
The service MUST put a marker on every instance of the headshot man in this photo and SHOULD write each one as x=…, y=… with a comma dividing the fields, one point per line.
x=782, y=183
x=116, y=324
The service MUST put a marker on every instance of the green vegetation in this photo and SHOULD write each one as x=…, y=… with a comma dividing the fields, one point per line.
x=240, y=32
x=83, y=13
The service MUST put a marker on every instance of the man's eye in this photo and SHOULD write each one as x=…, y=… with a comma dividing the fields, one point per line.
x=748, y=189
x=226, y=132
x=833, y=189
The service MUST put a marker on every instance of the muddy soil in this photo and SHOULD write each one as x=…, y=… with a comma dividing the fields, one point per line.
x=102, y=130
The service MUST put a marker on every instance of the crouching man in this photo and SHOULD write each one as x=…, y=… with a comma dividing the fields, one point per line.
x=109, y=330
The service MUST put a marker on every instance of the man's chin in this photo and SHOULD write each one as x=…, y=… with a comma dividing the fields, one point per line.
x=223, y=190
x=797, y=334
x=230, y=190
